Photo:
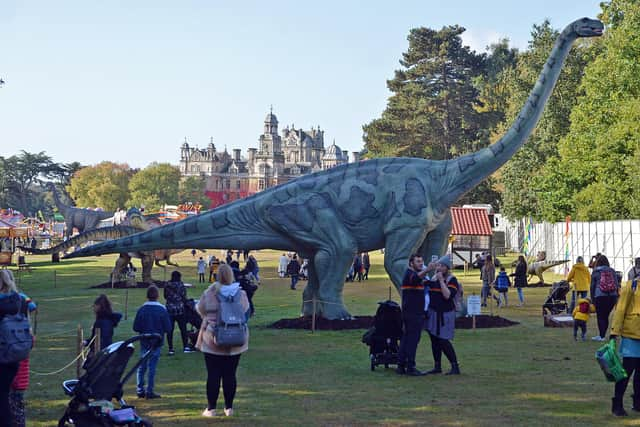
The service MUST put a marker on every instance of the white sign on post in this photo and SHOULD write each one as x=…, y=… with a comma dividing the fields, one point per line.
x=473, y=305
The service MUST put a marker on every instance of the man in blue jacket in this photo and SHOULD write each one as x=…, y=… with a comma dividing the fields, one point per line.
x=151, y=318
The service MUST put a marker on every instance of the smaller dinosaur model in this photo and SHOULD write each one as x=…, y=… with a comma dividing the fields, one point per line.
x=82, y=219
x=134, y=223
x=538, y=267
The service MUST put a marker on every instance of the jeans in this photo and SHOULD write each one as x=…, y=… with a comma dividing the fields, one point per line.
x=182, y=325
x=151, y=363
x=412, y=328
x=221, y=368
x=581, y=294
x=583, y=328
x=294, y=280
x=484, y=292
x=7, y=373
x=520, y=295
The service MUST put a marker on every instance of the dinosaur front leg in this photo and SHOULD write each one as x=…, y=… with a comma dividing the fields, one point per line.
x=121, y=264
x=331, y=267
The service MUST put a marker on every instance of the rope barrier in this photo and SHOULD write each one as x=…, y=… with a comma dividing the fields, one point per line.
x=82, y=354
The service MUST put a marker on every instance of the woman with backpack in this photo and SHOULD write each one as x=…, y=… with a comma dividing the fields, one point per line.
x=175, y=295
x=604, y=293
x=221, y=361
x=520, y=278
x=10, y=303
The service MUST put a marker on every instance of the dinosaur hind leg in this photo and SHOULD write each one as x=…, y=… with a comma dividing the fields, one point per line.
x=437, y=240
x=333, y=266
x=399, y=246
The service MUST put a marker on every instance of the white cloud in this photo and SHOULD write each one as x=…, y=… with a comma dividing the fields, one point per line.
x=479, y=39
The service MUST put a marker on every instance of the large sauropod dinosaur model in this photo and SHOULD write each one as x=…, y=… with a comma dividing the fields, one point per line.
x=82, y=219
x=401, y=204
x=135, y=223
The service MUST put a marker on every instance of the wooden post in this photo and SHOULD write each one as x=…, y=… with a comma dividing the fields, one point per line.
x=96, y=342
x=126, y=303
x=389, y=293
x=79, y=339
x=473, y=322
x=313, y=318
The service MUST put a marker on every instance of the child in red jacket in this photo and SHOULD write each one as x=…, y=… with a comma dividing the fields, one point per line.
x=20, y=383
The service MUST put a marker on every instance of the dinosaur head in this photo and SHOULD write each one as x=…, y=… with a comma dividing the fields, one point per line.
x=135, y=218
x=587, y=27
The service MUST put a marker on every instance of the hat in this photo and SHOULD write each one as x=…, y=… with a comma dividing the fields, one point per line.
x=445, y=260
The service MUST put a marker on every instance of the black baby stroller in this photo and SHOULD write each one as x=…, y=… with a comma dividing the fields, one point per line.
x=556, y=302
x=92, y=394
x=193, y=320
x=384, y=336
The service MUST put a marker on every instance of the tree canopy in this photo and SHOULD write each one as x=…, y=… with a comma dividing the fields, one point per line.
x=155, y=186
x=104, y=185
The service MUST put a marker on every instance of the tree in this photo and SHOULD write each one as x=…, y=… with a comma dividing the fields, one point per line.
x=155, y=186
x=431, y=113
x=104, y=185
x=599, y=155
x=525, y=191
x=192, y=189
x=20, y=173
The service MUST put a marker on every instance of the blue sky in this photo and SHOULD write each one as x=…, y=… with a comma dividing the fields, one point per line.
x=127, y=81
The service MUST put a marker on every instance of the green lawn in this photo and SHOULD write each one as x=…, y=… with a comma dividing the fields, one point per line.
x=522, y=375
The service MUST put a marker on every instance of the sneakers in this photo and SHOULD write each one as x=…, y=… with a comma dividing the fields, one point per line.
x=171, y=352
x=152, y=395
x=228, y=412
x=188, y=350
x=584, y=338
x=209, y=413
x=597, y=338
x=141, y=394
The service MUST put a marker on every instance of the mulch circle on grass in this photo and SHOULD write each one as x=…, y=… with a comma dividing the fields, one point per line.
x=365, y=322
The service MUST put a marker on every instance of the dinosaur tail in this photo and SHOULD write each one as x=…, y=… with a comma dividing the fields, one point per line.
x=236, y=225
x=465, y=172
x=95, y=234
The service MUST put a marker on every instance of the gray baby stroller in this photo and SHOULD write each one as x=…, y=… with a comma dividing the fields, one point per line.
x=556, y=302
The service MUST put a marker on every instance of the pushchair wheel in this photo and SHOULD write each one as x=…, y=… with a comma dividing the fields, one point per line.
x=373, y=362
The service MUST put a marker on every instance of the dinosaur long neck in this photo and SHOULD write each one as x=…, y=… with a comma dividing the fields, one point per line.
x=464, y=173
x=56, y=198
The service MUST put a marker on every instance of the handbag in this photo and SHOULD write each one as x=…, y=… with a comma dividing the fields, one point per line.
x=609, y=361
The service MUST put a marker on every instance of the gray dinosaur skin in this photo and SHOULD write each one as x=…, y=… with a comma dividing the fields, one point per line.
x=400, y=204
x=82, y=219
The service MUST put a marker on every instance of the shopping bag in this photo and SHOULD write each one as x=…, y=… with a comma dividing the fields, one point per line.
x=609, y=361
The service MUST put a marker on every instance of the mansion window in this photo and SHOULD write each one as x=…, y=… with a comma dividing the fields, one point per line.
x=237, y=184
x=261, y=184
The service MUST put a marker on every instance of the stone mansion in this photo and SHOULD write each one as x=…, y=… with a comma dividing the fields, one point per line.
x=277, y=160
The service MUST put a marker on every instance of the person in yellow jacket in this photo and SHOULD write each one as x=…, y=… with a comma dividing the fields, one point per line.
x=581, y=279
x=581, y=316
x=626, y=324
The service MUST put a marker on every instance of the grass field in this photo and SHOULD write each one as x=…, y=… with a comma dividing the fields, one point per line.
x=522, y=375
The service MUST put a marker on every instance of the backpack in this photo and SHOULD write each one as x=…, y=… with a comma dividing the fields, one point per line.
x=584, y=307
x=15, y=336
x=502, y=282
x=607, y=281
x=231, y=327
